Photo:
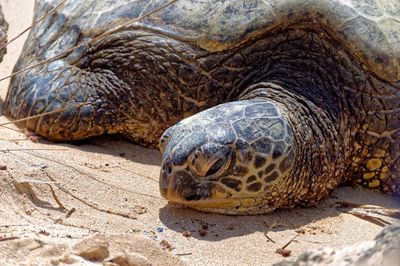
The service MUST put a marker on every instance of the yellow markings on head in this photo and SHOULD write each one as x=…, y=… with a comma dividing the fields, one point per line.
x=369, y=175
x=374, y=164
x=383, y=173
x=247, y=202
x=382, y=176
x=374, y=183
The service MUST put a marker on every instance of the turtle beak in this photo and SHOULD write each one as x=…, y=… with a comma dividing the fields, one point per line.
x=180, y=187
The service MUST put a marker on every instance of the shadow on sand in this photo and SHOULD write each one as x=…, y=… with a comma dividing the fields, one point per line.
x=215, y=227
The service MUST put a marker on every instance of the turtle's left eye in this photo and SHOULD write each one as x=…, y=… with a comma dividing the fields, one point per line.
x=210, y=160
x=216, y=167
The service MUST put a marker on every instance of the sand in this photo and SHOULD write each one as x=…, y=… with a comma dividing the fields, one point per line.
x=61, y=200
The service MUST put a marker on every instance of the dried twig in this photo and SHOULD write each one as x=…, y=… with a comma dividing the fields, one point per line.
x=39, y=115
x=13, y=129
x=94, y=178
x=13, y=225
x=70, y=212
x=270, y=239
x=2, y=239
x=56, y=198
x=87, y=203
x=183, y=254
x=291, y=240
x=347, y=204
x=270, y=226
x=391, y=212
x=375, y=220
x=361, y=211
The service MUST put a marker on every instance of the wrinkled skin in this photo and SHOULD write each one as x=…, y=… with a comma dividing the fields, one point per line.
x=287, y=99
x=3, y=34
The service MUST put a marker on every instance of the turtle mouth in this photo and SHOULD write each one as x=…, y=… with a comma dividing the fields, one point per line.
x=182, y=188
x=213, y=199
x=202, y=204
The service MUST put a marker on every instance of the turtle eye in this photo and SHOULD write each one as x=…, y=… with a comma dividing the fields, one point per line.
x=206, y=163
x=216, y=167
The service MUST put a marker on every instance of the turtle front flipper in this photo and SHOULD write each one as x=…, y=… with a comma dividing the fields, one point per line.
x=65, y=103
x=254, y=155
x=63, y=99
x=82, y=95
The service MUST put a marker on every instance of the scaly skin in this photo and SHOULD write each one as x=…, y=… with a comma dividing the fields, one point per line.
x=323, y=77
x=3, y=35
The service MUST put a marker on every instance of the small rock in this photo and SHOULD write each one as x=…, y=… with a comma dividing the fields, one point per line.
x=39, y=165
x=97, y=253
x=283, y=252
x=130, y=259
x=65, y=260
x=166, y=245
x=94, y=248
x=44, y=232
x=300, y=231
x=187, y=234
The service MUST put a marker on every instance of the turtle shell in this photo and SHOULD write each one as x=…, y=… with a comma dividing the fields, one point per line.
x=369, y=29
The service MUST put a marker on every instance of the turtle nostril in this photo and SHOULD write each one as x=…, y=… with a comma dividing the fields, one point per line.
x=169, y=170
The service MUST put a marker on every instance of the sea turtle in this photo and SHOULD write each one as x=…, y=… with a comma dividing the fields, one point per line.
x=268, y=103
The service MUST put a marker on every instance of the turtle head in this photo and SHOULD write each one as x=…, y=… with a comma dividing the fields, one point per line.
x=227, y=159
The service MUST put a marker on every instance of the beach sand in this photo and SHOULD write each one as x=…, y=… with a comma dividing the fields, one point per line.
x=103, y=194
